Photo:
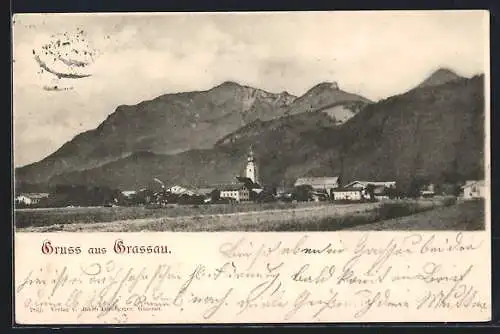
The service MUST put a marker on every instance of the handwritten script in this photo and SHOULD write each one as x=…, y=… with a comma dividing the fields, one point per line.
x=253, y=279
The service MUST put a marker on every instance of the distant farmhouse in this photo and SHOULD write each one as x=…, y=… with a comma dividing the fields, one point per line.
x=319, y=183
x=380, y=188
x=322, y=187
x=474, y=189
x=353, y=191
x=30, y=198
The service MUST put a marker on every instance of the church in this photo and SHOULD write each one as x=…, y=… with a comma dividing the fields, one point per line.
x=250, y=181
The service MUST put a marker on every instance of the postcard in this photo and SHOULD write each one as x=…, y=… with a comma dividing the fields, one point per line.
x=251, y=167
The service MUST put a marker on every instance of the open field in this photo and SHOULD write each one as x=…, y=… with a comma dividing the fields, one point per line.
x=83, y=215
x=466, y=216
x=251, y=217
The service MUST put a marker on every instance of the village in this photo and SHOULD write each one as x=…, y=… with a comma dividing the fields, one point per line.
x=245, y=189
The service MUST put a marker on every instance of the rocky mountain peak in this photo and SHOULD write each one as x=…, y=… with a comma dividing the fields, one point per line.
x=333, y=85
x=439, y=77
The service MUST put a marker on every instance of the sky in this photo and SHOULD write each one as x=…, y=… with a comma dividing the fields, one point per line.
x=129, y=58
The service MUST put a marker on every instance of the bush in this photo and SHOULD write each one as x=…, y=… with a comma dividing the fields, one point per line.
x=347, y=201
x=449, y=201
x=394, y=210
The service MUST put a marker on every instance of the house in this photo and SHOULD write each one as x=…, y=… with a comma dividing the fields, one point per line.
x=31, y=198
x=380, y=192
x=347, y=194
x=380, y=188
x=37, y=197
x=474, y=189
x=23, y=199
x=238, y=192
x=180, y=190
x=129, y=193
x=320, y=195
x=285, y=194
x=428, y=190
x=205, y=191
x=319, y=183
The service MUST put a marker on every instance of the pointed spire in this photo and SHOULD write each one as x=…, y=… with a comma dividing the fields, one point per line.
x=250, y=154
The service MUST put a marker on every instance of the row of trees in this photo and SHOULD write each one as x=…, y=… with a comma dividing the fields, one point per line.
x=78, y=195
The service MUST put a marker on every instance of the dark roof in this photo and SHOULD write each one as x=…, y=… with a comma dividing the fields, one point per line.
x=203, y=191
x=231, y=187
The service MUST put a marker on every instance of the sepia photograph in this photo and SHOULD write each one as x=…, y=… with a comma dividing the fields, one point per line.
x=256, y=122
x=307, y=167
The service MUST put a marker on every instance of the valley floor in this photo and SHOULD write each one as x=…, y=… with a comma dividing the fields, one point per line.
x=428, y=214
x=465, y=216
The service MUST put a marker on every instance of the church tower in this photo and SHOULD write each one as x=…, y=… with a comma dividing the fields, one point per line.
x=251, y=169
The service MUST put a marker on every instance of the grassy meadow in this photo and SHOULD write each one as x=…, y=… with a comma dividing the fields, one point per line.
x=432, y=214
x=81, y=215
x=464, y=216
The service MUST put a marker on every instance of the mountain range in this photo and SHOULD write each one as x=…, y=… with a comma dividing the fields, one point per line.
x=434, y=132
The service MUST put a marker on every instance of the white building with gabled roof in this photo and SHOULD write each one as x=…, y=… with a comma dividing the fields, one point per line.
x=238, y=192
x=474, y=189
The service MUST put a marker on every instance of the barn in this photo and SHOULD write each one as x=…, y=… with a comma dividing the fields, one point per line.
x=319, y=183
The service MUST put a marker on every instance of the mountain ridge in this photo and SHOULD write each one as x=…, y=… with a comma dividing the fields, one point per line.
x=432, y=134
x=173, y=123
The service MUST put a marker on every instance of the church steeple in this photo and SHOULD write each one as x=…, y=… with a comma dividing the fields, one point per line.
x=251, y=169
x=250, y=154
